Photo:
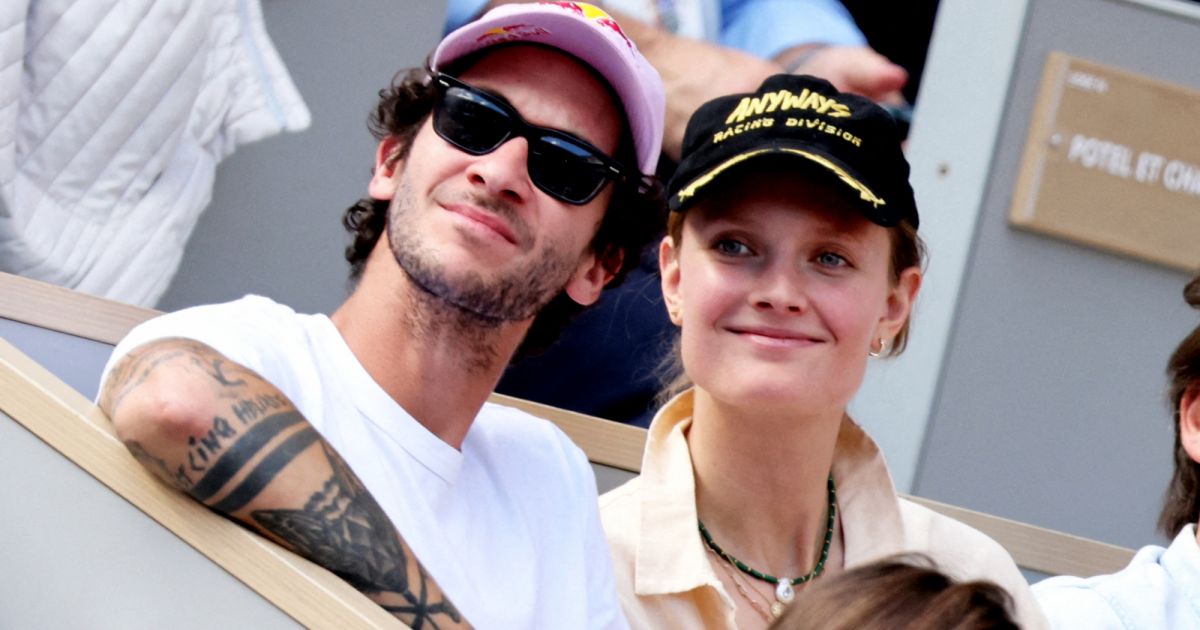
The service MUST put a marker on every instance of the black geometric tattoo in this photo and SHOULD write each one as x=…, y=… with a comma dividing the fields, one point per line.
x=343, y=529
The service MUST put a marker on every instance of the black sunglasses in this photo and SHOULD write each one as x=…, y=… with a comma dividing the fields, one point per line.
x=563, y=166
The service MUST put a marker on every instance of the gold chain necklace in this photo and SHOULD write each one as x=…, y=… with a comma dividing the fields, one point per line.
x=784, y=586
x=768, y=616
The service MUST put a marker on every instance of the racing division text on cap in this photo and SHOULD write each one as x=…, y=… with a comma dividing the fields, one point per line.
x=802, y=116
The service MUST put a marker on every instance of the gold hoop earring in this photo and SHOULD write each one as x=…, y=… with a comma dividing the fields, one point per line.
x=882, y=348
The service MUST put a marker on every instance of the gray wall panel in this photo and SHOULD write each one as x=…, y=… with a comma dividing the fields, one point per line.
x=77, y=555
x=1051, y=406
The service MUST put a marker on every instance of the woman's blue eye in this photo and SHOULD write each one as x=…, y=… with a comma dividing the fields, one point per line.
x=731, y=247
x=830, y=259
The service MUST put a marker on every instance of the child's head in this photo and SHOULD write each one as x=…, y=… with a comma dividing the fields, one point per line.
x=898, y=594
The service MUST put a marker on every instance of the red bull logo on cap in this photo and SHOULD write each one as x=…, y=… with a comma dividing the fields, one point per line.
x=510, y=33
x=597, y=15
x=571, y=6
x=517, y=32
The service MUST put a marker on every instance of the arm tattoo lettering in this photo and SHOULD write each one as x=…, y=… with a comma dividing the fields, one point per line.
x=241, y=452
x=209, y=444
x=244, y=459
x=248, y=410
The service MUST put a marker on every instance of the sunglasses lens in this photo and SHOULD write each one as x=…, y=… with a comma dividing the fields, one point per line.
x=470, y=121
x=566, y=170
x=559, y=164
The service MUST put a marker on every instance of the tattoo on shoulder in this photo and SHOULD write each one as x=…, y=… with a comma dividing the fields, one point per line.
x=344, y=529
x=216, y=369
x=131, y=373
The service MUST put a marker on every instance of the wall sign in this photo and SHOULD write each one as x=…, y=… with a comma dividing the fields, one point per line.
x=1112, y=160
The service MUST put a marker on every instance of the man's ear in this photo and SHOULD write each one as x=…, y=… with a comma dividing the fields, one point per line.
x=590, y=277
x=1189, y=422
x=668, y=267
x=383, y=179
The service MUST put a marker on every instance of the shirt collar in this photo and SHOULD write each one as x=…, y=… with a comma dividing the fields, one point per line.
x=1182, y=562
x=871, y=523
x=671, y=557
x=379, y=410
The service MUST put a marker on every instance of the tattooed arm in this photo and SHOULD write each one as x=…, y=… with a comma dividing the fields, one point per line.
x=221, y=433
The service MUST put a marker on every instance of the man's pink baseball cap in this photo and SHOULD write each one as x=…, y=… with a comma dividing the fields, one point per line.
x=588, y=33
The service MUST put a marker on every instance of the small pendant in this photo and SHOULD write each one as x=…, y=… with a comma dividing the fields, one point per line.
x=783, y=591
x=776, y=609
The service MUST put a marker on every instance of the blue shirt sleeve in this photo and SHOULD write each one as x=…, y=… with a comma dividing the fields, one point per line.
x=459, y=12
x=765, y=28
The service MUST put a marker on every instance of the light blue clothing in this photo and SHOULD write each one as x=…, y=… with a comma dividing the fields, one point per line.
x=763, y=28
x=1159, y=589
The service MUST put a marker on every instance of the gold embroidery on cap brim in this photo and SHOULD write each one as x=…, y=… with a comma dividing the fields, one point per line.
x=863, y=192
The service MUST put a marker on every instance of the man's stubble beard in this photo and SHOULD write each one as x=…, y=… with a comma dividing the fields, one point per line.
x=471, y=299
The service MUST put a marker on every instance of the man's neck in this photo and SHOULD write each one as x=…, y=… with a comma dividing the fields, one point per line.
x=438, y=363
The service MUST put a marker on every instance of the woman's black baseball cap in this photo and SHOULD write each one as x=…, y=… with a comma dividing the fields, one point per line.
x=847, y=135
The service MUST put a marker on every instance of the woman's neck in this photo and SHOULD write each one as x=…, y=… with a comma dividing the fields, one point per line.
x=761, y=481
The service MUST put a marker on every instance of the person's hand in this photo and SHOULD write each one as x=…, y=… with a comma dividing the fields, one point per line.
x=695, y=72
x=856, y=69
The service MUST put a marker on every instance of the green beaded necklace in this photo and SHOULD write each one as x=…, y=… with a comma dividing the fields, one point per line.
x=783, y=586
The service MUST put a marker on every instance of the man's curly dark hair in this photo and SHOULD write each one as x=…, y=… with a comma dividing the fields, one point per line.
x=635, y=213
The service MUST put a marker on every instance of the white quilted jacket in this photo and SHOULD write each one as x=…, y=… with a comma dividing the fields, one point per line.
x=113, y=117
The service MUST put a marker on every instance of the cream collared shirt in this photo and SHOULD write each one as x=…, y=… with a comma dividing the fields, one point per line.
x=664, y=577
